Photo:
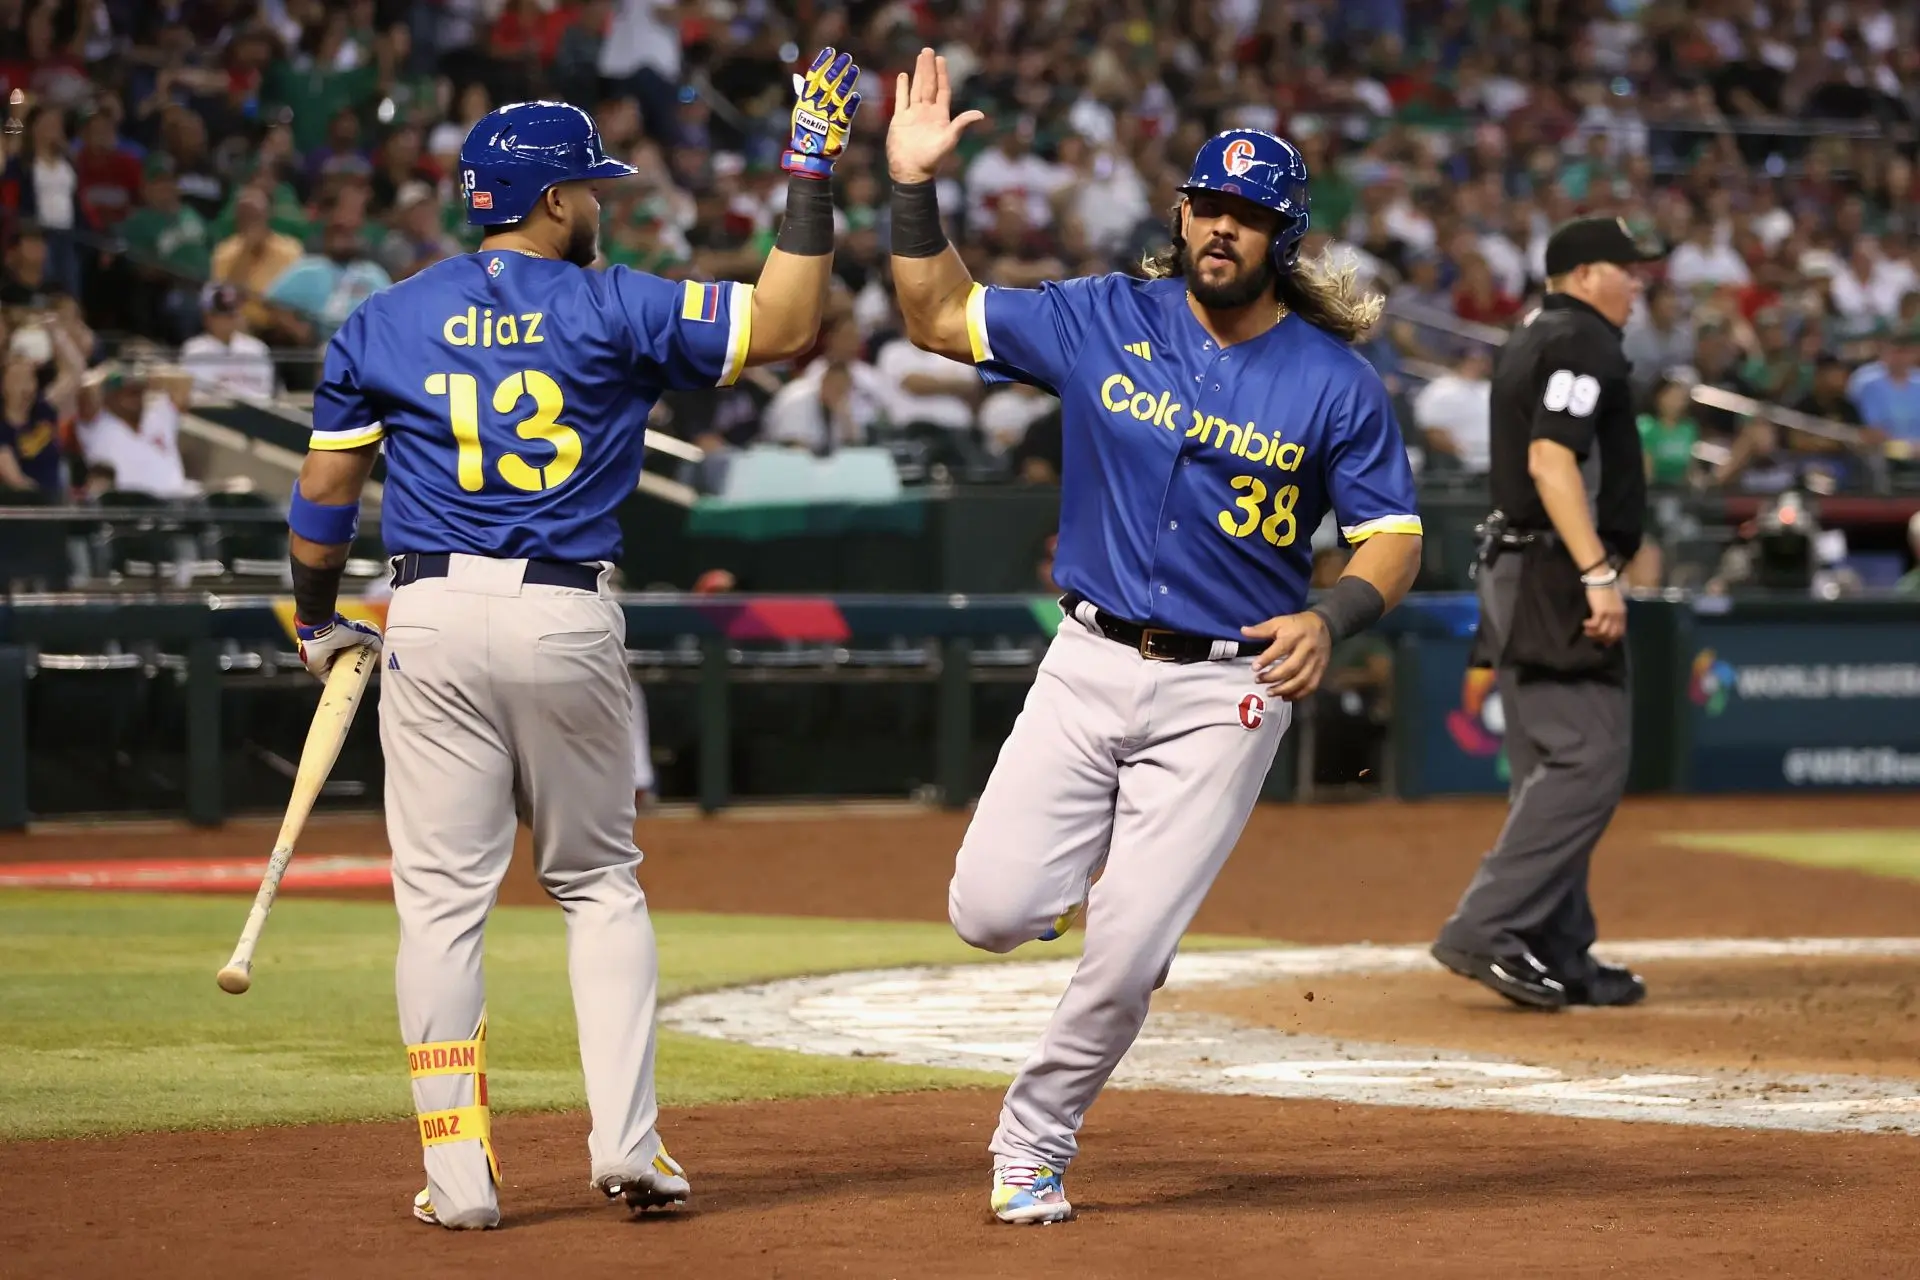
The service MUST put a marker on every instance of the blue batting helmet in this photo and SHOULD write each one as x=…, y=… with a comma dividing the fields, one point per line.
x=515, y=153
x=1256, y=166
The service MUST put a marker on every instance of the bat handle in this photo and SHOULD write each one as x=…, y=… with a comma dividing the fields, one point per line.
x=237, y=976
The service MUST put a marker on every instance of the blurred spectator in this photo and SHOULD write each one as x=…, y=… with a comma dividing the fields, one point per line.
x=640, y=58
x=444, y=142
x=929, y=390
x=254, y=257
x=24, y=281
x=416, y=241
x=168, y=243
x=1667, y=436
x=42, y=186
x=1704, y=261
x=135, y=433
x=29, y=432
x=224, y=359
x=108, y=175
x=1008, y=415
x=1827, y=395
x=1010, y=180
x=322, y=289
x=838, y=402
x=1909, y=583
x=1478, y=299
x=1454, y=414
x=1870, y=285
x=1658, y=339
x=1887, y=392
x=183, y=135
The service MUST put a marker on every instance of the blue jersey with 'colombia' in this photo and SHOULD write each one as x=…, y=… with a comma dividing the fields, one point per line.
x=512, y=394
x=1193, y=477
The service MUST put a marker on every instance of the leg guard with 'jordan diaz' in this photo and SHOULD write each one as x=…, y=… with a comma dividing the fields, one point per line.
x=446, y=1072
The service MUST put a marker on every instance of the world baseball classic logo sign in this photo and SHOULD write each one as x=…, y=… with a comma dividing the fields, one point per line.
x=1253, y=709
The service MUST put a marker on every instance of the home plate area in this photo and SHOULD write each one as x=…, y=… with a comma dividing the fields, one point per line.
x=1809, y=1034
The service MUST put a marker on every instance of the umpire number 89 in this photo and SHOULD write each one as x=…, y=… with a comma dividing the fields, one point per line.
x=1277, y=527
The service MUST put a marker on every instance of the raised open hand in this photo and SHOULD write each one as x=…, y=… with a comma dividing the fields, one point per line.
x=921, y=134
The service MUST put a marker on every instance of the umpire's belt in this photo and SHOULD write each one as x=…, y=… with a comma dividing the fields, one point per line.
x=416, y=565
x=1153, y=643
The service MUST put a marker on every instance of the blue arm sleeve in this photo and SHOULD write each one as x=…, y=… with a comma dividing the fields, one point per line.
x=1368, y=476
x=1031, y=335
x=343, y=416
x=686, y=334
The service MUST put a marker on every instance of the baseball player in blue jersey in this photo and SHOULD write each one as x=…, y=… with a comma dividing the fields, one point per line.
x=510, y=389
x=1211, y=417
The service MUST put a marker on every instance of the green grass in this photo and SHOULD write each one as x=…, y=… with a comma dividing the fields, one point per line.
x=110, y=1020
x=1880, y=851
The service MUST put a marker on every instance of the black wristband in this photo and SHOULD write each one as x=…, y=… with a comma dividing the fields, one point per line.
x=316, y=592
x=1351, y=607
x=916, y=221
x=807, y=230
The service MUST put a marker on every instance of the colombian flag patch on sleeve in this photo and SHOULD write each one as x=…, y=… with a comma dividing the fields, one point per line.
x=700, y=301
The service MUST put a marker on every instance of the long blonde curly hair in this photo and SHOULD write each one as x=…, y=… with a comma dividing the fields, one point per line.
x=1324, y=290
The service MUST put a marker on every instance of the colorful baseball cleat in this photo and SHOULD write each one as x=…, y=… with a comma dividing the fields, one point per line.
x=423, y=1209
x=662, y=1186
x=1026, y=1194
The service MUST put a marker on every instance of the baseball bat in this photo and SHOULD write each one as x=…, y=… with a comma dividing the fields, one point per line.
x=346, y=682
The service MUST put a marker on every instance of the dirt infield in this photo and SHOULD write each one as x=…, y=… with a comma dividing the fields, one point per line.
x=1169, y=1183
x=1853, y=1016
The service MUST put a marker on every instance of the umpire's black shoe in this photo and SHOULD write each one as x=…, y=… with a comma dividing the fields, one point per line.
x=1611, y=984
x=1520, y=976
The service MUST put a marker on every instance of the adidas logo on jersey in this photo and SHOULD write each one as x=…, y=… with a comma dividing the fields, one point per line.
x=1140, y=349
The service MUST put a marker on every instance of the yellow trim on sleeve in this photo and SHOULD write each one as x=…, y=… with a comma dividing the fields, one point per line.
x=977, y=324
x=329, y=441
x=739, y=333
x=1385, y=524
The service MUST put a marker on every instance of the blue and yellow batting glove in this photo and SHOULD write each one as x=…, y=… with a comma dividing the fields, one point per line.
x=822, y=116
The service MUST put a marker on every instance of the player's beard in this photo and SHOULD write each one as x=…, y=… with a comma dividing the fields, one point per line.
x=1247, y=285
x=583, y=242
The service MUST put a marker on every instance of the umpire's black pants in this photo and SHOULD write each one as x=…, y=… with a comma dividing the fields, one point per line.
x=1568, y=747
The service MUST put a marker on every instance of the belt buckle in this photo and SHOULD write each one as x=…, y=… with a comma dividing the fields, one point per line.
x=1147, y=635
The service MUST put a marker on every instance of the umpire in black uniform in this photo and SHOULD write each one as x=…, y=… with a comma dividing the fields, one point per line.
x=1569, y=491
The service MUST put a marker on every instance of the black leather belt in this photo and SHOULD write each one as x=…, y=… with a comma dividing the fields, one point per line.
x=1155, y=644
x=416, y=565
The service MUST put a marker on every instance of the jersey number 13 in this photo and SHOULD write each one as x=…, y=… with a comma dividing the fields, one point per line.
x=462, y=391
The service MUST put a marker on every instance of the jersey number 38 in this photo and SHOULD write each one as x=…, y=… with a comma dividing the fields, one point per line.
x=1277, y=527
x=462, y=391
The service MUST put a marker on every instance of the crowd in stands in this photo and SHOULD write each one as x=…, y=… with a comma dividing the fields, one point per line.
x=215, y=175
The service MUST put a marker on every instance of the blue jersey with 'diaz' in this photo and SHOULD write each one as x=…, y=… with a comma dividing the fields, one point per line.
x=512, y=393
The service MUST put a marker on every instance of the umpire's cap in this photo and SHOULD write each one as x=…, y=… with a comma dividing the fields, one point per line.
x=515, y=153
x=1585, y=240
x=1263, y=168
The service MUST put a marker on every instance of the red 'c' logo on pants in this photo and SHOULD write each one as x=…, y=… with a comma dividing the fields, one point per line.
x=1253, y=709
